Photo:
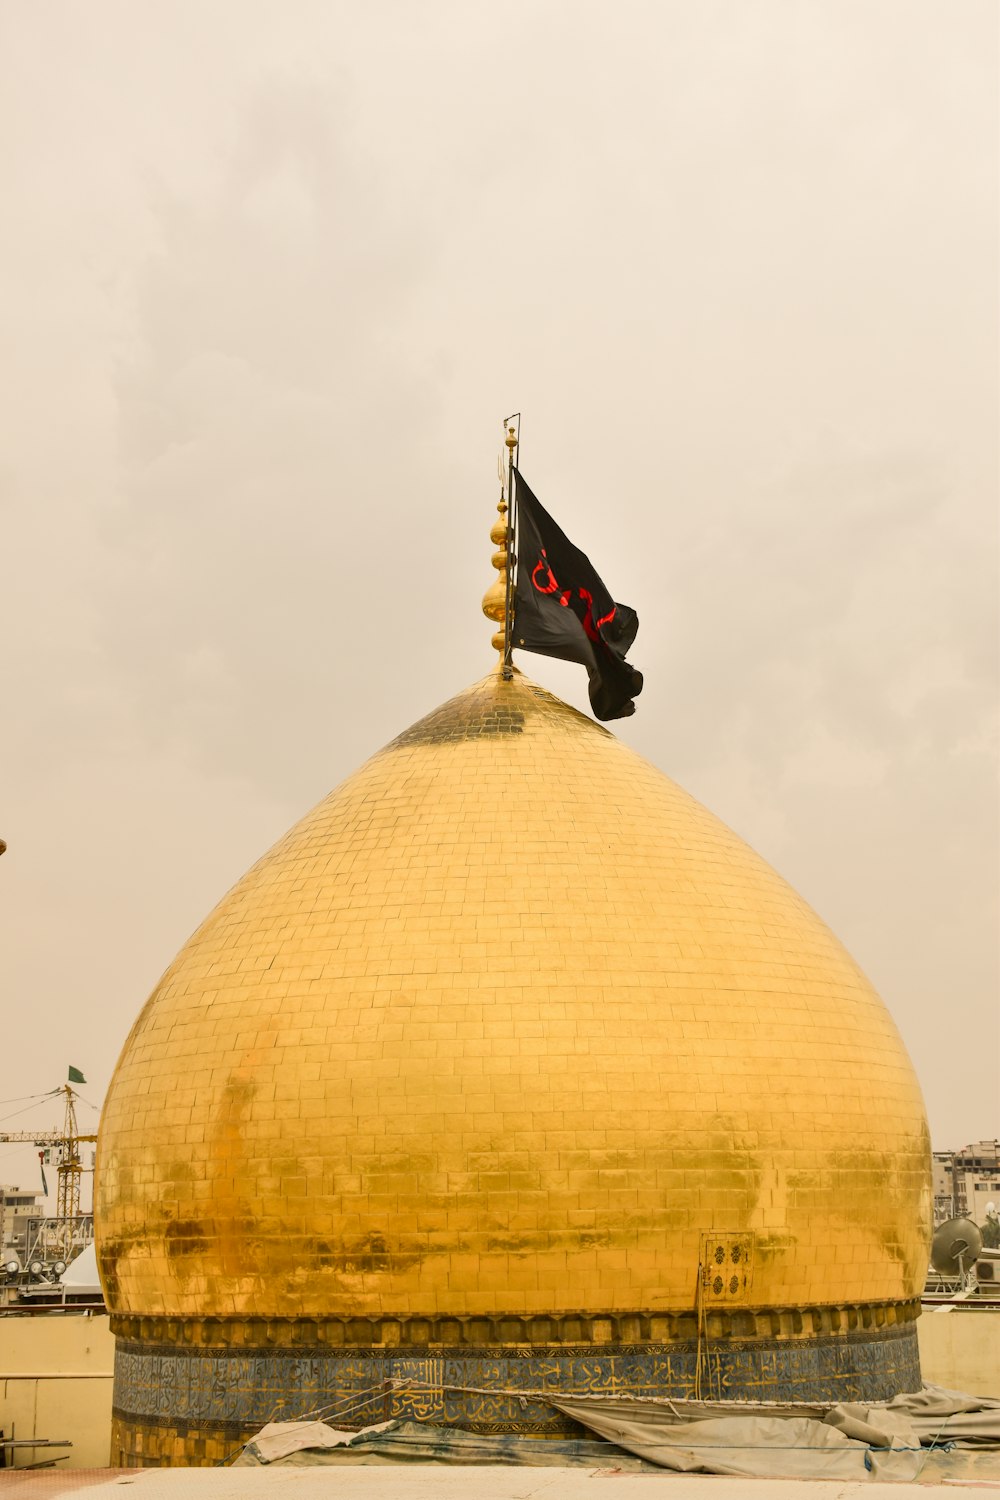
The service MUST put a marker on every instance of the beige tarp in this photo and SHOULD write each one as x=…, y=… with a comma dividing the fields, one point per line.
x=278, y=1440
x=844, y=1441
x=838, y=1444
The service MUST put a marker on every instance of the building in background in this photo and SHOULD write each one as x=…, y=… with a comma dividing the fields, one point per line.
x=966, y=1181
x=17, y=1209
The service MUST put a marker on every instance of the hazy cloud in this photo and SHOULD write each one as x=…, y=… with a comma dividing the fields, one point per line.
x=269, y=282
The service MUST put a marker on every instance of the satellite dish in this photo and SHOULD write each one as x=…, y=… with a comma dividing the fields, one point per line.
x=955, y=1246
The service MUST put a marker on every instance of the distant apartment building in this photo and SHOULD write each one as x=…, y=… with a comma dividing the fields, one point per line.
x=965, y=1181
x=17, y=1210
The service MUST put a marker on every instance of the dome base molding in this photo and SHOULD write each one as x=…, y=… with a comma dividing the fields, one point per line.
x=492, y=1330
x=189, y=1393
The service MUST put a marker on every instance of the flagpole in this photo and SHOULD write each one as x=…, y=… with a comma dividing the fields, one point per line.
x=511, y=439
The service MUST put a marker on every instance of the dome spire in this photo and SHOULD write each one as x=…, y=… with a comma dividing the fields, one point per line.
x=497, y=601
x=495, y=598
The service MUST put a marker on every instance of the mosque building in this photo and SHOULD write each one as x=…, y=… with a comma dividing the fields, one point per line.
x=508, y=1071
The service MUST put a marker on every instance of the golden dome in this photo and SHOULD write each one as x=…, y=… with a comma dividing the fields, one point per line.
x=507, y=1023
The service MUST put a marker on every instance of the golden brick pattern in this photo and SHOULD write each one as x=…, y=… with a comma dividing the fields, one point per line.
x=152, y=1445
x=508, y=1023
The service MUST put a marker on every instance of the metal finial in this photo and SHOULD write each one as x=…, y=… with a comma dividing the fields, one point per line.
x=498, y=605
x=495, y=598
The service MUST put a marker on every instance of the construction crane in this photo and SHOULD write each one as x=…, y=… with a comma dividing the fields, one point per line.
x=67, y=1142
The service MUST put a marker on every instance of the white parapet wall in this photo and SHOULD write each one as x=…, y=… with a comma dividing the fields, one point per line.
x=56, y=1375
x=960, y=1348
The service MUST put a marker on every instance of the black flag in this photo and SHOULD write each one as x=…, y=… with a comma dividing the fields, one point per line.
x=561, y=608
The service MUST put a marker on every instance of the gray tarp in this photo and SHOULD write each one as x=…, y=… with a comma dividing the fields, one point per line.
x=951, y=1417
x=403, y=1440
x=850, y=1440
x=838, y=1444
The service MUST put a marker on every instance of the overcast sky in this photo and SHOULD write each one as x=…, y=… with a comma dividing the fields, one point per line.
x=270, y=276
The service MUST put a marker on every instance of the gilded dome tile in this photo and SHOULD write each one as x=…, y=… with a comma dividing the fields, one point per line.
x=444, y=1051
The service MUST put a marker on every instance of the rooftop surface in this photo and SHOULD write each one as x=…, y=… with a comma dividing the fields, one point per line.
x=482, y=1482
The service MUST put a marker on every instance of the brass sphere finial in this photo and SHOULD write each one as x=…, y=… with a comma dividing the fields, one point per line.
x=495, y=598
